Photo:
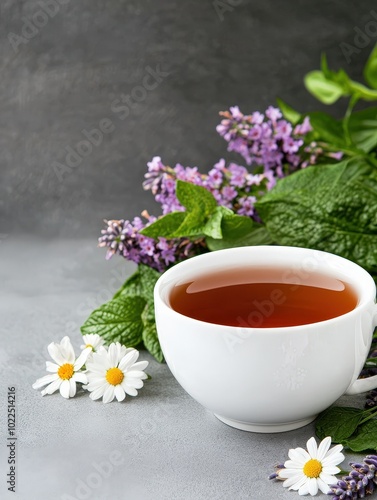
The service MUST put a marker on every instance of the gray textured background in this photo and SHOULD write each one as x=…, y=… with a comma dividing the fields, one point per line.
x=61, y=81
x=65, y=78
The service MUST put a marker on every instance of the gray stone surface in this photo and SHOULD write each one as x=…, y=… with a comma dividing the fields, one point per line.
x=166, y=446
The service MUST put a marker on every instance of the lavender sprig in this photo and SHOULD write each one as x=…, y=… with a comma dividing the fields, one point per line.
x=360, y=482
x=269, y=141
x=122, y=237
x=233, y=186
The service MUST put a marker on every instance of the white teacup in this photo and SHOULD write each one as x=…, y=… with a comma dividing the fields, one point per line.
x=268, y=379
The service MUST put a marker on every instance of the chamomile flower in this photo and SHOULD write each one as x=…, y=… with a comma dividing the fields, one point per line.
x=65, y=372
x=308, y=471
x=92, y=340
x=115, y=373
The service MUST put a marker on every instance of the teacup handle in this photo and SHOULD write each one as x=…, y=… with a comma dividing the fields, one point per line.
x=364, y=384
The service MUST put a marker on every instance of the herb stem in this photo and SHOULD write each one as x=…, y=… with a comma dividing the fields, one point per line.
x=347, y=116
x=369, y=414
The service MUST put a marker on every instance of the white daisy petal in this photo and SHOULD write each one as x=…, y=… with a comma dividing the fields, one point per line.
x=81, y=360
x=131, y=391
x=286, y=473
x=113, y=354
x=72, y=388
x=336, y=449
x=331, y=470
x=108, y=395
x=55, y=353
x=119, y=393
x=67, y=348
x=302, y=480
x=313, y=486
x=140, y=365
x=136, y=374
x=64, y=389
x=292, y=480
x=323, y=448
x=80, y=377
x=299, y=455
x=328, y=478
x=97, y=393
x=292, y=464
x=333, y=459
x=323, y=486
x=304, y=489
x=311, y=445
x=128, y=360
x=51, y=367
x=47, y=379
x=54, y=386
x=134, y=382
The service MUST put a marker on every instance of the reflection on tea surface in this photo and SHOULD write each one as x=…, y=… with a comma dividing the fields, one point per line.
x=263, y=298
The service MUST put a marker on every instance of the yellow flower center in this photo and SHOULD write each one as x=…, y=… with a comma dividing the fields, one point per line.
x=114, y=376
x=89, y=345
x=66, y=371
x=312, y=468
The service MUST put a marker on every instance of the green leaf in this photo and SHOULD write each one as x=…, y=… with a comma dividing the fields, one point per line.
x=194, y=198
x=165, y=226
x=329, y=207
x=239, y=231
x=213, y=227
x=200, y=206
x=338, y=422
x=365, y=439
x=328, y=129
x=141, y=283
x=289, y=113
x=370, y=70
x=151, y=342
x=363, y=129
x=119, y=320
x=325, y=90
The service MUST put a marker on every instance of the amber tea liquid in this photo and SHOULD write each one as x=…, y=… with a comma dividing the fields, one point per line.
x=263, y=297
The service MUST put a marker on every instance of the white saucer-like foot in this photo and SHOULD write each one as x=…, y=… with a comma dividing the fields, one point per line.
x=266, y=428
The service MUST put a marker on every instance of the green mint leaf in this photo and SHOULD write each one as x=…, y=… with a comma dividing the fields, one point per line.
x=328, y=129
x=322, y=88
x=119, y=320
x=329, y=207
x=141, y=283
x=212, y=228
x=151, y=342
x=164, y=226
x=338, y=422
x=365, y=438
x=195, y=198
x=370, y=70
x=363, y=129
x=238, y=231
x=191, y=226
x=289, y=113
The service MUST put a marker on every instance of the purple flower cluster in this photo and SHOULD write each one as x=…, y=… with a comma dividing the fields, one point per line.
x=122, y=237
x=265, y=139
x=232, y=186
x=360, y=482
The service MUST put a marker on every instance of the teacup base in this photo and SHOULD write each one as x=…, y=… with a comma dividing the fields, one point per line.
x=267, y=428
